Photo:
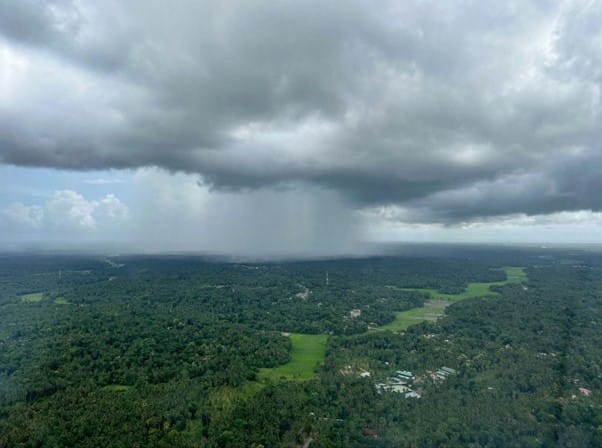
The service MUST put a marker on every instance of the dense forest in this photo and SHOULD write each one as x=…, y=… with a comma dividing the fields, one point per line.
x=137, y=351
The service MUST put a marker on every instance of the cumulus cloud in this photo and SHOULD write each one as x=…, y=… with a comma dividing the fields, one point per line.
x=444, y=111
x=64, y=212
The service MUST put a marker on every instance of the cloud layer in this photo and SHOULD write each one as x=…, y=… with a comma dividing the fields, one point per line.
x=442, y=111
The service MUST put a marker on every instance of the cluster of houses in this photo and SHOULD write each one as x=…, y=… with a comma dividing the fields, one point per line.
x=441, y=374
x=400, y=383
x=404, y=382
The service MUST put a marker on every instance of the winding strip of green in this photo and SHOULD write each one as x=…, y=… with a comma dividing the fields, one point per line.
x=433, y=309
x=308, y=350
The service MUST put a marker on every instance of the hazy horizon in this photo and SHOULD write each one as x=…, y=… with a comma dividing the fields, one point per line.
x=366, y=250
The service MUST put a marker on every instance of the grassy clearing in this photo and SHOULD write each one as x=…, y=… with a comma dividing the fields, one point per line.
x=32, y=298
x=308, y=351
x=433, y=309
x=478, y=289
x=61, y=301
x=515, y=275
x=472, y=290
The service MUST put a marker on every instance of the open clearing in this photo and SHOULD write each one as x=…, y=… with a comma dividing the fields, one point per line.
x=32, y=297
x=515, y=275
x=61, y=301
x=308, y=350
x=433, y=309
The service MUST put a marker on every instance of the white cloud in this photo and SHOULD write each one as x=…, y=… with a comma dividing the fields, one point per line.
x=22, y=216
x=64, y=212
x=69, y=209
x=111, y=207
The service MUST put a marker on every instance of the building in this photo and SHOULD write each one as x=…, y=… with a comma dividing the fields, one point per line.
x=355, y=313
x=399, y=388
x=585, y=392
x=444, y=372
x=404, y=374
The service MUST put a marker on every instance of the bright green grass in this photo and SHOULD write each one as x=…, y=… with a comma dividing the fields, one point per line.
x=33, y=297
x=61, y=301
x=432, y=309
x=308, y=351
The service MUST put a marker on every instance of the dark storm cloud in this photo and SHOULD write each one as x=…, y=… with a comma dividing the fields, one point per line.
x=58, y=25
x=449, y=110
x=565, y=184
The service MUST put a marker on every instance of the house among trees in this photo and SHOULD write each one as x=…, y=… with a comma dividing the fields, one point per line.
x=444, y=372
x=404, y=375
x=585, y=392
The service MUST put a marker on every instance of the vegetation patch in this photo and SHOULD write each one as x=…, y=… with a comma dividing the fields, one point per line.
x=116, y=388
x=61, y=301
x=515, y=275
x=112, y=263
x=32, y=297
x=179, y=358
x=307, y=351
x=433, y=309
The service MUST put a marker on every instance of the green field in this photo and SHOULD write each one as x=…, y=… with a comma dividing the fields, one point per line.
x=308, y=350
x=33, y=297
x=434, y=308
x=478, y=289
x=431, y=310
x=61, y=301
x=515, y=275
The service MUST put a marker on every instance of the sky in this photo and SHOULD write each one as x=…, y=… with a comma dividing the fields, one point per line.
x=299, y=126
